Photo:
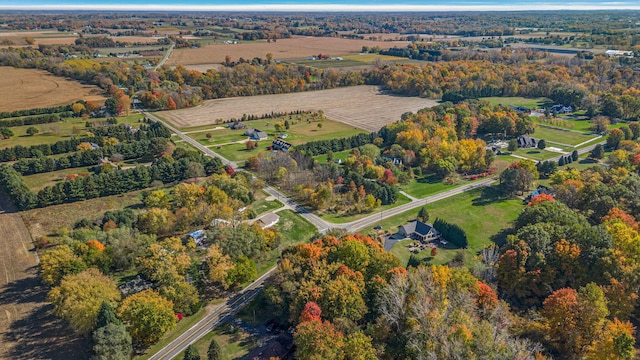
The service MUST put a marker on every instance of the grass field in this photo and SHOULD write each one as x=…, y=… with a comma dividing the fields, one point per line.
x=340, y=219
x=531, y=103
x=363, y=107
x=481, y=213
x=342, y=155
x=53, y=132
x=299, y=133
x=561, y=136
x=38, y=181
x=262, y=205
x=293, y=48
x=535, y=154
x=425, y=186
x=294, y=229
x=44, y=221
x=31, y=88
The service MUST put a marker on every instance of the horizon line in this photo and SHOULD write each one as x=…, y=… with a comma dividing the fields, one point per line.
x=576, y=6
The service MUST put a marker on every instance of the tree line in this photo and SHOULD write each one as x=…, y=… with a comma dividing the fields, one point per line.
x=103, y=184
x=452, y=233
x=36, y=119
x=313, y=148
x=35, y=111
x=42, y=164
x=147, y=131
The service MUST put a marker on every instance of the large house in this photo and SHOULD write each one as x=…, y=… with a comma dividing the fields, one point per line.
x=419, y=231
x=279, y=144
x=237, y=125
x=561, y=109
x=256, y=135
x=525, y=141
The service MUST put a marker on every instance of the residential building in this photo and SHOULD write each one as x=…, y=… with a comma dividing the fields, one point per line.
x=419, y=230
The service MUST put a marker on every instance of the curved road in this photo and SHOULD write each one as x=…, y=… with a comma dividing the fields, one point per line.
x=235, y=303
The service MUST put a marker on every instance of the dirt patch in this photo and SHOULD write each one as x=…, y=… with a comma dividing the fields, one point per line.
x=30, y=88
x=364, y=107
x=28, y=328
x=296, y=47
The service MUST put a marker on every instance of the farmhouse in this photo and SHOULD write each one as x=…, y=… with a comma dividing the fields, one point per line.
x=255, y=134
x=198, y=236
x=419, y=231
x=237, y=125
x=279, y=144
x=525, y=141
x=268, y=220
x=562, y=109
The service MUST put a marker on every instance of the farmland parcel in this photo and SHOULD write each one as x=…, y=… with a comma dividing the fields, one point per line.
x=30, y=88
x=364, y=107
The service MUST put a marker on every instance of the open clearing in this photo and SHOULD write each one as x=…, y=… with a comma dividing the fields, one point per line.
x=296, y=47
x=28, y=328
x=30, y=88
x=364, y=107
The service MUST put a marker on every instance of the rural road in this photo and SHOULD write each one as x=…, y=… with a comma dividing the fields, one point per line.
x=165, y=57
x=232, y=305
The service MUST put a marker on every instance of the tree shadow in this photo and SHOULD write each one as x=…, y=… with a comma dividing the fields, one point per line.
x=490, y=195
x=429, y=179
x=40, y=334
x=500, y=238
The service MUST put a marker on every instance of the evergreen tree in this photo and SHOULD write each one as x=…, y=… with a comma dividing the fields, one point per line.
x=106, y=316
x=214, y=352
x=111, y=342
x=542, y=144
x=574, y=155
x=191, y=353
x=423, y=214
x=597, y=152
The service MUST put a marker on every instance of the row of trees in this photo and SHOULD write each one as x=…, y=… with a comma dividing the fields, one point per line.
x=96, y=135
x=36, y=119
x=451, y=232
x=35, y=111
x=124, y=151
x=104, y=184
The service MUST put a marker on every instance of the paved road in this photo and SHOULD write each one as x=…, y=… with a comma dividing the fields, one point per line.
x=219, y=315
x=232, y=305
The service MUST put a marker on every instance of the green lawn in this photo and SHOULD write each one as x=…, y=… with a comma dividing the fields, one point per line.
x=342, y=155
x=262, y=206
x=425, y=186
x=300, y=132
x=536, y=154
x=38, y=181
x=340, y=219
x=294, y=229
x=531, y=103
x=560, y=136
x=481, y=213
x=233, y=341
x=53, y=132
x=370, y=58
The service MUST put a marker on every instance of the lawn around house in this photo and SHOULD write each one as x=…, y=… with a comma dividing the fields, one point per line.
x=561, y=136
x=341, y=219
x=531, y=103
x=481, y=213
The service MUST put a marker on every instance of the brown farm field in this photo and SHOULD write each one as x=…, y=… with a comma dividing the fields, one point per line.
x=31, y=88
x=364, y=107
x=296, y=47
x=28, y=327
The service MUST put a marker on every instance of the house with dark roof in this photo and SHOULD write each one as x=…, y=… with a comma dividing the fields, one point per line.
x=237, y=125
x=520, y=109
x=419, y=231
x=135, y=286
x=256, y=134
x=279, y=144
x=561, y=109
x=526, y=141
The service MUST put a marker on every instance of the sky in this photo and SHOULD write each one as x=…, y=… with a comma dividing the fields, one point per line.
x=317, y=5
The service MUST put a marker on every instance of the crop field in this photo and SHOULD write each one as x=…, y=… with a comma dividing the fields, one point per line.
x=364, y=107
x=296, y=47
x=28, y=328
x=30, y=88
